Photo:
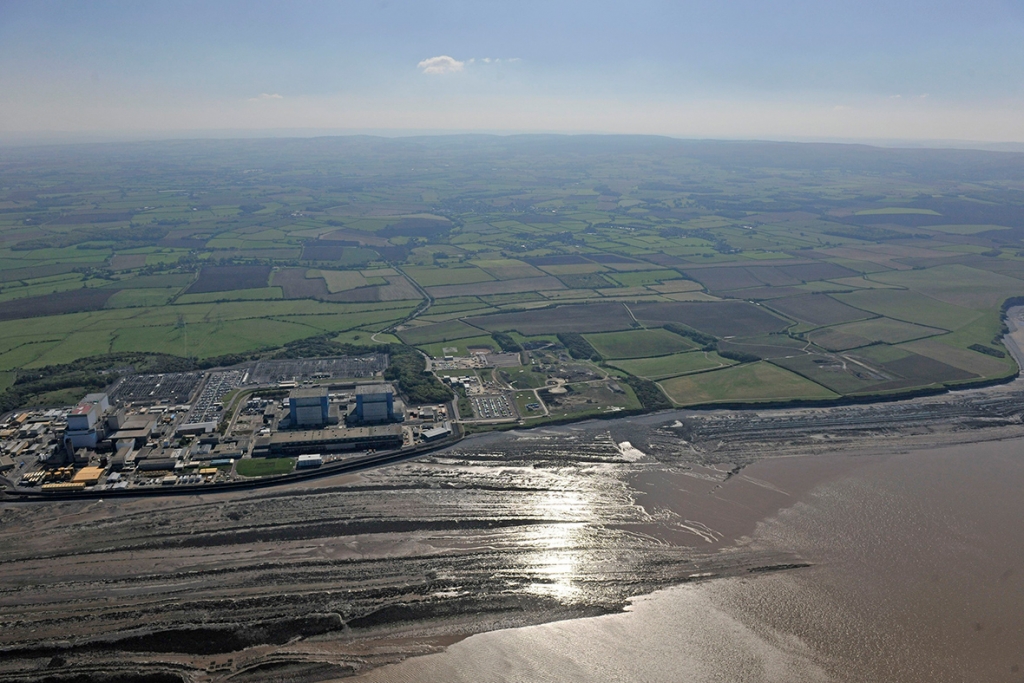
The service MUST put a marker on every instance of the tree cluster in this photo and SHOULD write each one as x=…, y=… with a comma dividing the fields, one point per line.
x=577, y=346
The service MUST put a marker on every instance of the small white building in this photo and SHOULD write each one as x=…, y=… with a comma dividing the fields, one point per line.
x=309, y=461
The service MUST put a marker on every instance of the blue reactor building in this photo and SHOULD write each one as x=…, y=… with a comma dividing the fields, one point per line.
x=309, y=407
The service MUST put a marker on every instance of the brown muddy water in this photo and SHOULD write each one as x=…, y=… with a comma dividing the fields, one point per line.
x=918, y=575
x=854, y=543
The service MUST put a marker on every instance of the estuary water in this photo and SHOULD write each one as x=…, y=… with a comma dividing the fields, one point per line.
x=917, y=575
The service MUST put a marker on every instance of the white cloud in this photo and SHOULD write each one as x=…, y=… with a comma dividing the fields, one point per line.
x=266, y=96
x=442, y=64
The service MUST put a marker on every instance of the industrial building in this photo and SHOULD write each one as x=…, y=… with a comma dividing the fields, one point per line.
x=381, y=437
x=440, y=432
x=309, y=407
x=100, y=400
x=84, y=430
x=88, y=475
x=309, y=461
x=196, y=428
x=374, y=403
x=136, y=428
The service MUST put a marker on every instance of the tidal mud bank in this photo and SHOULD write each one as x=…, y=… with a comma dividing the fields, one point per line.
x=335, y=577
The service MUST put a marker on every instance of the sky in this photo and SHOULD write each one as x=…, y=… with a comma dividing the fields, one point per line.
x=879, y=70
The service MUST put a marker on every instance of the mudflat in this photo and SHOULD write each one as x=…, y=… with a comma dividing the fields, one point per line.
x=915, y=576
x=521, y=528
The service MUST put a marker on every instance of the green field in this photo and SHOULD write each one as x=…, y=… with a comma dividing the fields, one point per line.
x=873, y=331
x=429, y=276
x=639, y=343
x=447, y=331
x=263, y=467
x=525, y=398
x=664, y=367
x=752, y=382
x=523, y=377
x=910, y=306
x=896, y=210
x=458, y=347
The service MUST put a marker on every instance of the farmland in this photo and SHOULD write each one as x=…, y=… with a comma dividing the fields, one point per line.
x=784, y=271
x=639, y=343
x=677, y=364
x=755, y=382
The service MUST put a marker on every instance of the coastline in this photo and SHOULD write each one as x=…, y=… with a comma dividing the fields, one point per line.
x=1013, y=341
x=500, y=531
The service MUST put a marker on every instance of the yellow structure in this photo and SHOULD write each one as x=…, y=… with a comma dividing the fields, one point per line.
x=88, y=475
x=65, y=486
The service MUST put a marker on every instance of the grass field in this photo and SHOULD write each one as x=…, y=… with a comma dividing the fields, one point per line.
x=263, y=467
x=751, y=382
x=523, y=377
x=897, y=210
x=958, y=285
x=227, y=278
x=341, y=280
x=882, y=330
x=447, y=331
x=648, y=277
x=507, y=269
x=131, y=298
x=764, y=346
x=965, y=359
x=458, y=347
x=599, y=317
x=429, y=276
x=841, y=374
x=664, y=367
x=817, y=309
x=261, y=293
x=525, y=398
x=639, y=343
x=725, y=319
x=910, y=306
x=213, y=329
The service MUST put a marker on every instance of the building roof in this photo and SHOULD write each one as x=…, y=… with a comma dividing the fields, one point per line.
x=308, y=392
x=156, y=465
x=83, y=409
x=436, y=432
x=88, y=474
x=367, y=389
x=138, y=422
x=349, y=433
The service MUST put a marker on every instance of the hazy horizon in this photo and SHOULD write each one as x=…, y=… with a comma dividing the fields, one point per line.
x=58, y=138
x=914, y=72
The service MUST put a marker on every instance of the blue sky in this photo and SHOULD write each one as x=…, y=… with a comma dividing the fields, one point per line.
x=794, y=70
